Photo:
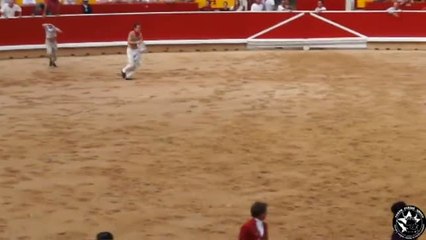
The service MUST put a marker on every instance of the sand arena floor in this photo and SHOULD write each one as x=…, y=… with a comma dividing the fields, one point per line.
x=328, y=138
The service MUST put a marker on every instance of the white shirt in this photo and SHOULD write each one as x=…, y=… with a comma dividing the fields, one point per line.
x=51, y=31
x=29, y=2
x=68, y=2
x=244, y=3
x=269, y=5
x=281, y=8
x=3, y=2
x=260, y=227
x=9, y=12
x=393, y=10
x=256, y=7
x=320, y=9
x=240, y=8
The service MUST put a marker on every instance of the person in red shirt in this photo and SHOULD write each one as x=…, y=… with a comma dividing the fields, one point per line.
x=51, y=7
x=256, y=227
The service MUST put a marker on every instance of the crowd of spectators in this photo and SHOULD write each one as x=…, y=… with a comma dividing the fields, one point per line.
x=256, y=5
x=260, y=5
x=9, y=9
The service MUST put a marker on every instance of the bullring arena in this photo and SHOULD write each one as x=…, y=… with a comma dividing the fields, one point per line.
x=329, y=138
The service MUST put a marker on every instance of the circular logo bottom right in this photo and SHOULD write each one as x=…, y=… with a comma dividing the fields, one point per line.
x=409, y=222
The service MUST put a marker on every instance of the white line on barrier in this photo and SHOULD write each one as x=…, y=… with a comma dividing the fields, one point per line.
x=276, y=25
x=214, y=41
x=338, y=25
x=124, y=43
x=309, y=39
x=397, y=39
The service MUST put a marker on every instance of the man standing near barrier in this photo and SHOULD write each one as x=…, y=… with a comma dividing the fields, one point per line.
x=51, y=43
x=135, y=46
x=9, y=10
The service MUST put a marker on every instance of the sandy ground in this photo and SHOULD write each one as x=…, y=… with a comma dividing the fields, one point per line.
x=328, y=138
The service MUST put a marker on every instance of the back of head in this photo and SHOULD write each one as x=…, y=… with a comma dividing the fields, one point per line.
x=398, y=206
x=258, y=209
x=104, y=236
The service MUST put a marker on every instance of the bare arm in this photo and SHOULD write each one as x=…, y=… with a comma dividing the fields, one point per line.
x=132, y=39
x=45, y=25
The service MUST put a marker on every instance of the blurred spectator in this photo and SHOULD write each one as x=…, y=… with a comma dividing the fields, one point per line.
x=405, y=2
x=244, y=4
x=225, y=6
x=87, y=9
x=238, y=7
x=9, y=10
x=38, y=9
x=269, y=5
x=208, y=6
x=285, y=6
x=255, y=228
x=320, y=7
x=51, y=7
x=3, y=2
x=68, y=2
x=104, y=236
x=395, y=9
x=257, y=6
x=29, y=2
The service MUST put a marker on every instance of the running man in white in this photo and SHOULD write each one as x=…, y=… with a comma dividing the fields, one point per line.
x=51, y=43
x=135, y=46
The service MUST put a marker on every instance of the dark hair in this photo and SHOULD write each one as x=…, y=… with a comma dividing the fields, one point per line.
x=135, y=25
x=258, y=208
x=398, y=206
x=104, y=236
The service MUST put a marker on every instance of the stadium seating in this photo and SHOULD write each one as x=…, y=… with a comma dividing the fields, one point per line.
x=122, y=8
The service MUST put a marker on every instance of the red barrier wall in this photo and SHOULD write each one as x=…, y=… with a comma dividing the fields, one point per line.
x=171, y=26
x=306, y=27
x=122, y=8
x=199, y=26
x=382, y=24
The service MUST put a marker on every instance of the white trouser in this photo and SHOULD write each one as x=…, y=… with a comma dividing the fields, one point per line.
x=133, y=58
x=51, y=49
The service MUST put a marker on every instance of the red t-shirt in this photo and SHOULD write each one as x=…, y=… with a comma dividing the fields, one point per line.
x=52, y=6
